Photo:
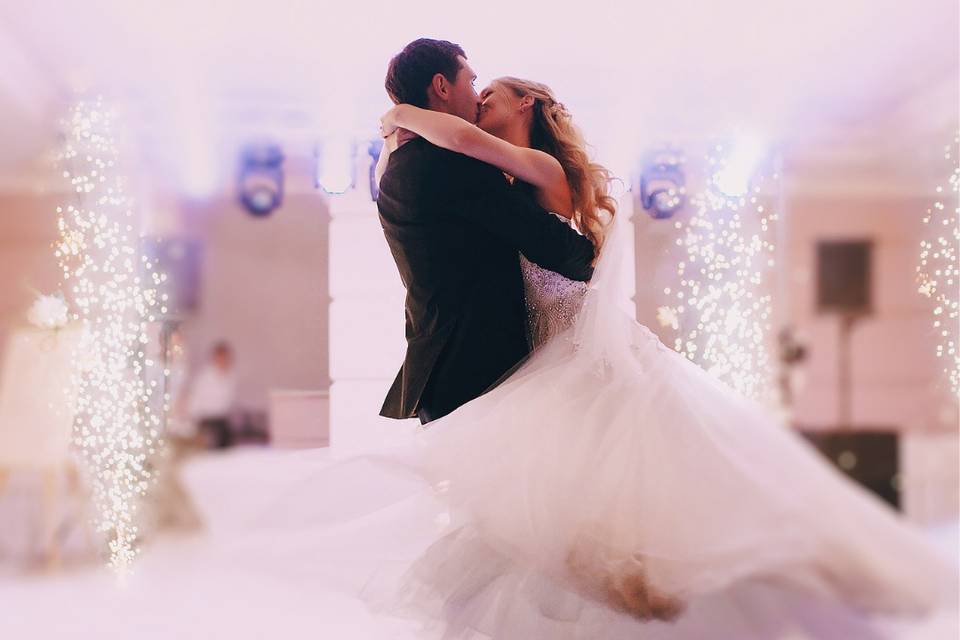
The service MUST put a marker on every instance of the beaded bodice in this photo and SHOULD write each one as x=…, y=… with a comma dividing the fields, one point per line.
x=553, y=302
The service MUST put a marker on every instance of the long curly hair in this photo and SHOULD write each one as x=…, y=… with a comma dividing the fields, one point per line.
x=553, y=132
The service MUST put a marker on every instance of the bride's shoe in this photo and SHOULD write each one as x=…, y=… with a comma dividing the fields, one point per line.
x=620, y=584
x=632, y=593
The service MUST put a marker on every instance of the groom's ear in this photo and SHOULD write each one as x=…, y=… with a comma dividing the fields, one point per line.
x=440, y=86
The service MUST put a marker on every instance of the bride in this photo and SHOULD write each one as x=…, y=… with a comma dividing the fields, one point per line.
x=609, y=469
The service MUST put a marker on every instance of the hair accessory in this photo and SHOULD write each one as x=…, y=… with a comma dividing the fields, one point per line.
x=558, y=110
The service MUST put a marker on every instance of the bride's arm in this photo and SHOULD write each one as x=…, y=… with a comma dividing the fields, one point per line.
x=384, y=158
x=456, y=134
x=396, y=139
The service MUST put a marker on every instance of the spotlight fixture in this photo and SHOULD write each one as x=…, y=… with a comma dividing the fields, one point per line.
x=260, y=182
x=662, y=184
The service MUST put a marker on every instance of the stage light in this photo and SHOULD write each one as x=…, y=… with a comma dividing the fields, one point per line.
x=662, y=190
x=335, y=165
x=260, y=182
x=736, y=171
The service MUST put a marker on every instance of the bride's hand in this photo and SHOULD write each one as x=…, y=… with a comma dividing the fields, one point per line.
x=397, y=139
x=388, y=123
x=404, y=136
x=390, y=144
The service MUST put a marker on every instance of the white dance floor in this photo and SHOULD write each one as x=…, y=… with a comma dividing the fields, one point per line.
x=252, y=573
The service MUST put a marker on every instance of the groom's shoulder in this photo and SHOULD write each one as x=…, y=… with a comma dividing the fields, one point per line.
x=419, y=153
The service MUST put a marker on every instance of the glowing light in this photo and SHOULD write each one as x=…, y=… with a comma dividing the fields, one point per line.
x=735, y=170
x=49, y=312
x=667, y=317
x=335, y=165
x=114, y=294
x=722, y=302
x=938, y=271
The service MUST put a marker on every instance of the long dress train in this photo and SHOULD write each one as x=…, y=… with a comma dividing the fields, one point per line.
x=610, y=488
x=611, y=470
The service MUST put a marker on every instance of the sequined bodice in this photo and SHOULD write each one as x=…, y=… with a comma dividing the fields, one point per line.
x=553, y=301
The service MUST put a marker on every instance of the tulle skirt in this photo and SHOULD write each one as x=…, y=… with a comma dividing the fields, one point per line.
x=624, y=498
x=590, y=498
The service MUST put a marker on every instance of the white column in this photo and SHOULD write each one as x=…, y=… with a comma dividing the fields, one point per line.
x=930, y=488
x=366, y=324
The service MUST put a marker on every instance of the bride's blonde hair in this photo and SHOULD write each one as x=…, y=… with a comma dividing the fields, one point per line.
x=553, y=132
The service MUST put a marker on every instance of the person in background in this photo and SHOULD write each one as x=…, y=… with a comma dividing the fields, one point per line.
x=211, y=397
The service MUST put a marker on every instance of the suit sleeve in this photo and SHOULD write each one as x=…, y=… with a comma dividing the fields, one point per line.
x=479, y=193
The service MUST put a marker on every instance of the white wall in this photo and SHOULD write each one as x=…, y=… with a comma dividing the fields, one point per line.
x=263, y=283
x=263, y=288
x=27, y=232
x=896, y=379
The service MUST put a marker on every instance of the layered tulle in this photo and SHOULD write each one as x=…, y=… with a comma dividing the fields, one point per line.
x=592, y=477
x=612, y=489
x=370, y=526
x=609, y=471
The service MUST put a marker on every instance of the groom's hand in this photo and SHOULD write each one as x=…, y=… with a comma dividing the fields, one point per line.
x=387, y=124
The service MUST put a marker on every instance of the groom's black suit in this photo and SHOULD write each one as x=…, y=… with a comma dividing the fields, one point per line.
x=455, y=227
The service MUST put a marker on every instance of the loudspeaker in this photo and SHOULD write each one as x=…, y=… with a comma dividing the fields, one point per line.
x=870, y=458
x=844, y=276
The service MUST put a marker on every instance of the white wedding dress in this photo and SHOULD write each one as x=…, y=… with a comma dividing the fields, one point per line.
x=612, y=489
x=611, y=482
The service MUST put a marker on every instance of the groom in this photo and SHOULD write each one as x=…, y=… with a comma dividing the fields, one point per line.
x=455, y=227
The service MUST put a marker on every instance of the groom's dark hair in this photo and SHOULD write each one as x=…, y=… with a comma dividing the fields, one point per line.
x=411, y=71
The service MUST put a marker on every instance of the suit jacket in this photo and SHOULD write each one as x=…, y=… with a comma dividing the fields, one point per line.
x=455, y=227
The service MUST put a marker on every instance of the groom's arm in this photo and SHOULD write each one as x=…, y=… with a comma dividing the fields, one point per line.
x=479, y=193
